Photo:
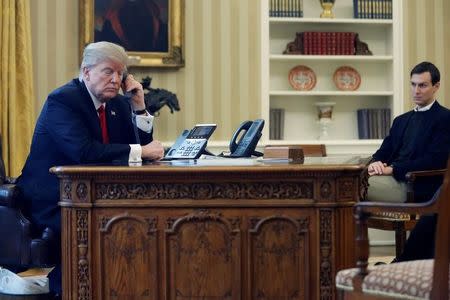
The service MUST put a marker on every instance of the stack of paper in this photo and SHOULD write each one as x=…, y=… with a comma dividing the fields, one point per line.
x=31, y=282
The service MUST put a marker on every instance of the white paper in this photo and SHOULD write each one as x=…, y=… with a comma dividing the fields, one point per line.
x=11, y=283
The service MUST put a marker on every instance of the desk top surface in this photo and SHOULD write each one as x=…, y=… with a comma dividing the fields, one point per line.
x=214, y=165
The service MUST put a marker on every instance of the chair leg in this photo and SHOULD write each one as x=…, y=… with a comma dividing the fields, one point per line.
x=400, y=238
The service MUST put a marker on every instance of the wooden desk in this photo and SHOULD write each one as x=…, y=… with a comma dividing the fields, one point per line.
x=268, y=231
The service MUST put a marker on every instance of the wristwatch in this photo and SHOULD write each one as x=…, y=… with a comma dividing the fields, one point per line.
x=140, y=112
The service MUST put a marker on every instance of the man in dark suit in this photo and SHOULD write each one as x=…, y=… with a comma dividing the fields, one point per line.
x=418, y=140
x=85, y=121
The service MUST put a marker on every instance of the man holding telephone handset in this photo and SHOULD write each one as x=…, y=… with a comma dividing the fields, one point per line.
x=85, y=121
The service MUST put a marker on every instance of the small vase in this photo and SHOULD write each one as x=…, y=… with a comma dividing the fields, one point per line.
x=327, y=5
x=324, y=114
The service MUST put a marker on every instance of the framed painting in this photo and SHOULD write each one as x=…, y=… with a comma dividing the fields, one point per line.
x=151, y=31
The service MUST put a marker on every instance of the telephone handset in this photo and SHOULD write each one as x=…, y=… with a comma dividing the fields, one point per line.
x=246, y=145
x=130, y=93
x=191, y=143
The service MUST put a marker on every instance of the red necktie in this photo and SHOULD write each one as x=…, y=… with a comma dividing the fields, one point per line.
x=102, y=118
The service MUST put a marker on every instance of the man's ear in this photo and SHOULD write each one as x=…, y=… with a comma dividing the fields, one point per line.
x=86, y=72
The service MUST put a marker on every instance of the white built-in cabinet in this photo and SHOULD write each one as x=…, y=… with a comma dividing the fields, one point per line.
x=382, y=75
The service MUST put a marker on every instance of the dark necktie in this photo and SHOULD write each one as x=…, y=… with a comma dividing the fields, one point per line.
x=102, y=118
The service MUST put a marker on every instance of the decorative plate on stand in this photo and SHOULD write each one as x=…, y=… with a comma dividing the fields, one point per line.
x=302, y=78
x=346, y=78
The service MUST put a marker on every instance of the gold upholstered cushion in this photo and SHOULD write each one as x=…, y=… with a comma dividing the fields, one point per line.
x=392, y=216
x=405, y=280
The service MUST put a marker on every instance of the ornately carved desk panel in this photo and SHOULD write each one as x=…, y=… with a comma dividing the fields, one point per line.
x=241, y=232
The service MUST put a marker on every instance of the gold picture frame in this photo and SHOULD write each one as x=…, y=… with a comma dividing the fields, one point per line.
x=165, y=49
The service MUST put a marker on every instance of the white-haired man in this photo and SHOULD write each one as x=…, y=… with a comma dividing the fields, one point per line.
x=85, y=121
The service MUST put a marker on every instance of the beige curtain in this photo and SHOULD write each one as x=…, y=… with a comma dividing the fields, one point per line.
x=427, y=37
x=16, y=83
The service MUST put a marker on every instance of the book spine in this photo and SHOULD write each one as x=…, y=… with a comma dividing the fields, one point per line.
x=306, y=42
x=363, y=124
x=301, y=7
x=319, y=43
x=291, y=8
x=323, y=37
x=370, y=123
x=380, y=123
x=316, y=40
x=277, y=8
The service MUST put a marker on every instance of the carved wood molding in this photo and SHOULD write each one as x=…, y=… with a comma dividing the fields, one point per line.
x=82, y=191
x=326, y=267
x=233, y=224
x=302, y=224
x=214, y=236
x=326, y=189
x=106, y=223
x=346, y=188
x=66, y=190
x=364, y=184
x=84, y=289
x=281, y=190
x=129, y=238
x=289, y=246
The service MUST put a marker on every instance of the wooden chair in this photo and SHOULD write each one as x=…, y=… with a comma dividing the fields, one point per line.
x=401, y=223
x=419, y=279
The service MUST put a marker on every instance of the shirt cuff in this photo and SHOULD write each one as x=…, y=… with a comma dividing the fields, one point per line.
x=135, y=153
x=145, y=122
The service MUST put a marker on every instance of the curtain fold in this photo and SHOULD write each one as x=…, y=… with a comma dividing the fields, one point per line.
x=16, y=83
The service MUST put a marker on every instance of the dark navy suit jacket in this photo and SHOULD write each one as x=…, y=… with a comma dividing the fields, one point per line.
x=431, y=147
x=68, y=133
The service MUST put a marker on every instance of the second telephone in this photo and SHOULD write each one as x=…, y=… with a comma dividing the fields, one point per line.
x=250, y=133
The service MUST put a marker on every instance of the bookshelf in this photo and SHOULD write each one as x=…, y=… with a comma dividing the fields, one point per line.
x=381, y=75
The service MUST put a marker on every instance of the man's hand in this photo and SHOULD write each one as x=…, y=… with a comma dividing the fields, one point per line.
x=134, y=87
x=153, y=151
x=379, y=168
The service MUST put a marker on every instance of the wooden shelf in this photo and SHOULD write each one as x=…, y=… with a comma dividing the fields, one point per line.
x=331, y=21
x=365, y=58
x=330, y=93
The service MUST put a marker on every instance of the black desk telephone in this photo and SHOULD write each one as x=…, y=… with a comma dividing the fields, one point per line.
x=251, y=133
x=191, y=144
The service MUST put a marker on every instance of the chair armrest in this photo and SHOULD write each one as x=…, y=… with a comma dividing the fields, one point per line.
x=418, y=176
x=9, y=195
x=42, y=249
x=412, y=176
x=370, y=208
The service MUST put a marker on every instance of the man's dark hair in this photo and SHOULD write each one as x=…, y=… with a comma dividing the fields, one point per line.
x=426, y=66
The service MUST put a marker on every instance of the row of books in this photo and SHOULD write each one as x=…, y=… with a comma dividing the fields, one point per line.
x=328, y=43
x=286, y=8
x=276, y=127
x=373, y=123
x=372, y=9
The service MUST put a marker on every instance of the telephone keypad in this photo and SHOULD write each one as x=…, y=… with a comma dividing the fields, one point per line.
x=190, y=148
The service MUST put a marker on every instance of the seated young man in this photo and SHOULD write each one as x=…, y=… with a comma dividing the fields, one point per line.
x=418, y=140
